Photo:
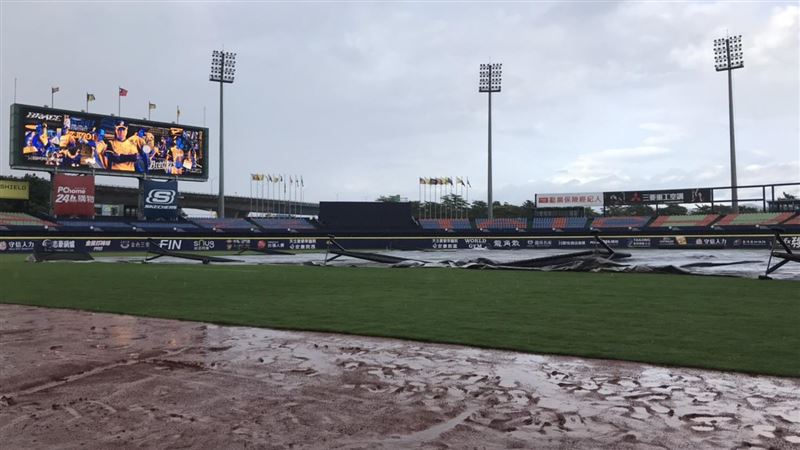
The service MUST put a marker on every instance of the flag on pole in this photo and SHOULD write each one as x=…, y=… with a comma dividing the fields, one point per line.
x=89, y=97
x=123, y=92
x=254, y=176
x=151, y=105
x=468, y=183
x=301, y=182
x=54, y=89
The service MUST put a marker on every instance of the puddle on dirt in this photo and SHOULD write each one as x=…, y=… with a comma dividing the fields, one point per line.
x=209, y=386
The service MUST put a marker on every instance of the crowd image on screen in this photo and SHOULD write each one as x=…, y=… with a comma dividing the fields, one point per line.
x=113, y=145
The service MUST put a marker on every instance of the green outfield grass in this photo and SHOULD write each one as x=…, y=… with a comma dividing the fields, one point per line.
x=710, y=322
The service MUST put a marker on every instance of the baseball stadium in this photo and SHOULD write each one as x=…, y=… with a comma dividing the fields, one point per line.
x=157, y=316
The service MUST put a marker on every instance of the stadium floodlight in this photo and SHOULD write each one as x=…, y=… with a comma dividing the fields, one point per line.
x=223, y=69
x=728, y=57
x=489, y=77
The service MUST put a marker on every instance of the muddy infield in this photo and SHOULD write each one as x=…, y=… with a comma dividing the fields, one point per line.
x=73, y=379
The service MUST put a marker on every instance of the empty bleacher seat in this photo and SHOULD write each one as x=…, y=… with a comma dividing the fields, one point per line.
x=793, y=221
x=165, y=226
x=620, y=222
x=89, y=225
x=684, y=221
x=15, y=220
x=445, y=224
x=224, y=224
x=279, y=223
x=753, y=219
x=503, y=223
x=559, y=223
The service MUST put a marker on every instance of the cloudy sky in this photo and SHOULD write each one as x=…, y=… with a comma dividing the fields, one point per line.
x=362, y=99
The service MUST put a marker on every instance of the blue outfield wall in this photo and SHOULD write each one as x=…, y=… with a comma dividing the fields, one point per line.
x=22, y=244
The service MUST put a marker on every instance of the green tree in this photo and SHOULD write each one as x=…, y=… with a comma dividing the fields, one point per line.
x=673, y=210
x=478, y=210
x=389, y=198
x=723, y=209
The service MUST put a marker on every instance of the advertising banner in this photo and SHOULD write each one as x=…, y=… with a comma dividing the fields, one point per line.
x=73, y=195
x=14, y=190
x=45, y=139
x=585, y=199
x=160, y=199
x=696, y=195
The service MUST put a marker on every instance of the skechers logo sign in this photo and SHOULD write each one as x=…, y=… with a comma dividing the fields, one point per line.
x=160, y=199
x=42, y=116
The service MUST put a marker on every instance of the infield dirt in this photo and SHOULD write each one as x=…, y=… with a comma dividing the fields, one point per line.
x=73, y=379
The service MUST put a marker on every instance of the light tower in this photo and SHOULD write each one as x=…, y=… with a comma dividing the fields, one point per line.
x=728, y=57
x=223, y=68
x=488, y=82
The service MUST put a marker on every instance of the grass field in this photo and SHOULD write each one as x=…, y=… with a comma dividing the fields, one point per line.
x=710, y=322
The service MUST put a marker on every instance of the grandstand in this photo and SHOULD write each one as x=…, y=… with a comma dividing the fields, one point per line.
x=283, y=224
x=753, y=219
x=445, y=224
x=165, y=226
x=22, y=221
x=93, y=225
x=559, y=223
x=225, y=224
x=692, y=221
x=502, y=224
x=620, y=222
x=794, y=221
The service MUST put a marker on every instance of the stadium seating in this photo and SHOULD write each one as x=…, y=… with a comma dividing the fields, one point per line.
x=683, y=221
x=503, y=223
x=19, y=221
x=165, y=226
x=620, y=222
x=225, y=224
x=753, y=219
x=93, y=225
x=277, y=223
x=445, y=224
x=794, y=221
x=559, y=223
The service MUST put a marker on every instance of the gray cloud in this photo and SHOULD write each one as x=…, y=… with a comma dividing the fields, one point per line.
x=364, y=98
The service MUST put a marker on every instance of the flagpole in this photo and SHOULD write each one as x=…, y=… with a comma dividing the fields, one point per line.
x=148, y=110
x=119, y=102
x=87, y=102
x=52, y=94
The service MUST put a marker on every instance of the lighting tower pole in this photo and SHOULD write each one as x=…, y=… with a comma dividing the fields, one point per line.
x=728, y=57
x=223, y=67
x=489, y=81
